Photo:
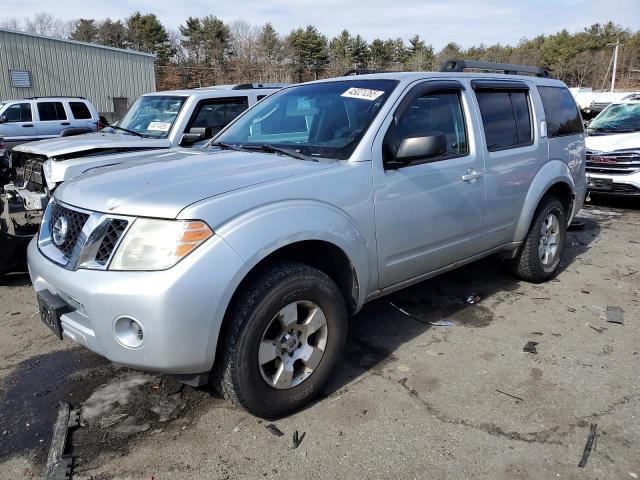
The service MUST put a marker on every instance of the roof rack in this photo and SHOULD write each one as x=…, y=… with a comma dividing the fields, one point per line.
x=507, y=68
x=257, y=86
x=362, y=71
x=54, y=96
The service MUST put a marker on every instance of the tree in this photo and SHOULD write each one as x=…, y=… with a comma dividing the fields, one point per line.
x=85, y=31
x=269, y=43
x=340, y=49
x=420, y=55
x=146, y=34
x=380, y=55
x=112, y=33
x=360, y=52
x=309, y=50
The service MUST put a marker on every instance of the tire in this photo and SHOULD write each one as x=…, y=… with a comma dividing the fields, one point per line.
x=261, y=316
x=530, y=264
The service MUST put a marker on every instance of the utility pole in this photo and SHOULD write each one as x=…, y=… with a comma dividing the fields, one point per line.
x=615, y=65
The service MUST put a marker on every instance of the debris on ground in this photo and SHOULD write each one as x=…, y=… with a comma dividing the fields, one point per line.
x=236, y=429
x=530, y=347
x=439, y=323
x=297, y=439
x=576, y=225
x=540, y=298
x=584, y=290
x=510, y=395
x=274, y=430
x=537, y=333
x=111, y=420
x=59, y=465
x=587, y=448
x=614, y=314
x=473, y=298
x=599, y=330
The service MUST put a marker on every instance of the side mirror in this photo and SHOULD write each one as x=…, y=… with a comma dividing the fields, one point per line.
x=189, y=139
x=418, y=148
x=3, y=119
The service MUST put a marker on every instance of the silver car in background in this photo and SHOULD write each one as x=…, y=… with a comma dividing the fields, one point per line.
x=241, y=266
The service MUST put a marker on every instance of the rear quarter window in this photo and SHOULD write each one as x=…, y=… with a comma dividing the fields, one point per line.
x=49, y=111
x=561, y=112
x=80, y=111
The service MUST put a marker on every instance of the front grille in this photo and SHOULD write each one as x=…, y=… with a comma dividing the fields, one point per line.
x=620, y=163
x=29, y=171
x=75, y=222
x=110, y=240
x=625, y=188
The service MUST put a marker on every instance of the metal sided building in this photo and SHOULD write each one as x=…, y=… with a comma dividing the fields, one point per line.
x=37, y=66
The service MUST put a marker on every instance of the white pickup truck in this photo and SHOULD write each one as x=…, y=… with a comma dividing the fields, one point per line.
x=155, y=121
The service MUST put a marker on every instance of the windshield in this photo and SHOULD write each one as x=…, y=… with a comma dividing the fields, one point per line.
x=619, y=118
x=151, y=116
x=317, y=120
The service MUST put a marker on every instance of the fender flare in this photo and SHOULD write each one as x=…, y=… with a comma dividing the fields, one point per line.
x=551, y=173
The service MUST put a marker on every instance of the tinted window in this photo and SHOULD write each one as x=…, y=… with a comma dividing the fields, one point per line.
x=506, y=118
x=80, y=110
x=561, y=112
x=217, y=114
x=434, y=114
x=19, y=112
x=51, y=111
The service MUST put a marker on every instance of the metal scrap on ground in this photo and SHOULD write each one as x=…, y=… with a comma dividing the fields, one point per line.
x=274, y=430
x=614, y=315
x=439, y=323
x=58, y=464
x=589, y=445
x=530, y=347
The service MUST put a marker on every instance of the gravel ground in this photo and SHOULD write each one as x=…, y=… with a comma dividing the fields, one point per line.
x=410, y=400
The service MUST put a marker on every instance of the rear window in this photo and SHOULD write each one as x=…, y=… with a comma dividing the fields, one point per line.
x=80, y=111
x=506, y=117
x=561, y=112
x=51, y=111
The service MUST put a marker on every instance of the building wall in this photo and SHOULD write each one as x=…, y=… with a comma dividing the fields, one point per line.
x=69, y=68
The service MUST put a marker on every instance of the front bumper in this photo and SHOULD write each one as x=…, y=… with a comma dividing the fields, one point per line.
x=180, y=309
x=627, y=185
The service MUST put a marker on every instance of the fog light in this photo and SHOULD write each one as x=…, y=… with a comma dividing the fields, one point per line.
x=129, y=332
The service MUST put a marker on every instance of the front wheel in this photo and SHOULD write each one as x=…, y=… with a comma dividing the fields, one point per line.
x=282, y=340
x=539, y=257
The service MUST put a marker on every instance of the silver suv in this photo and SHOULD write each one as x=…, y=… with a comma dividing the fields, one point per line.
x=241, y=266
x=38, y=118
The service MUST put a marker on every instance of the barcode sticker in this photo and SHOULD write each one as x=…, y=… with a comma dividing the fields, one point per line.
x=362, y=93
x=159, y=126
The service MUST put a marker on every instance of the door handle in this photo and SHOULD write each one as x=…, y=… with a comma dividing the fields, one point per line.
x=65, y=123
x=471, y=175
x=27, y=126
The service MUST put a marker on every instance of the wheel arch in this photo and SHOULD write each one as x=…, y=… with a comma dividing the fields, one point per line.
x=553, y=178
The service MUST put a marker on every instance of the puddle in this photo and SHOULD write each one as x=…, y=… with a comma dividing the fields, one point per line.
x=29, y=396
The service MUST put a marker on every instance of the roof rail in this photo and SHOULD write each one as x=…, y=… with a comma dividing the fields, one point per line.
x=453, y=65
x=257, y=86
x=54, y=96
x=362, y=71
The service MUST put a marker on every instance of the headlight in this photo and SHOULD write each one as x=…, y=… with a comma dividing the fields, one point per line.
x=158, y=244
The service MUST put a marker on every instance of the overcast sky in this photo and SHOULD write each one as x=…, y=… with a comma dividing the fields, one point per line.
x=467, y=22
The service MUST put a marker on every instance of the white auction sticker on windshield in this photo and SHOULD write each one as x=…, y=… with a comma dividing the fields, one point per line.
x=159, y=126
x=362, y=93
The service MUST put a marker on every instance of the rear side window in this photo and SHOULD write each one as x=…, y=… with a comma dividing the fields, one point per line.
x=80, y=111
x=19, y=112
x=561, y=112
x=51, y=111
x=506, y=117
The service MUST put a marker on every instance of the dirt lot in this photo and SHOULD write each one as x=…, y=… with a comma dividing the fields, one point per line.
x=411, y=400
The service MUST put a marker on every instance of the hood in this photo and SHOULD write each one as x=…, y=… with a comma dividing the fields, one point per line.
x=610, y=143
x=162, y=185
x=89, y=144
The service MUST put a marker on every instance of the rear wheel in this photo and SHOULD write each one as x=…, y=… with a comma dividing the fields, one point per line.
x=282, y=340
x=541, y=252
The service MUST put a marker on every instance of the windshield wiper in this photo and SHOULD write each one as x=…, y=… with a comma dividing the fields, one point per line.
x=116, y=127
x=280, y=150
x=226, y=146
